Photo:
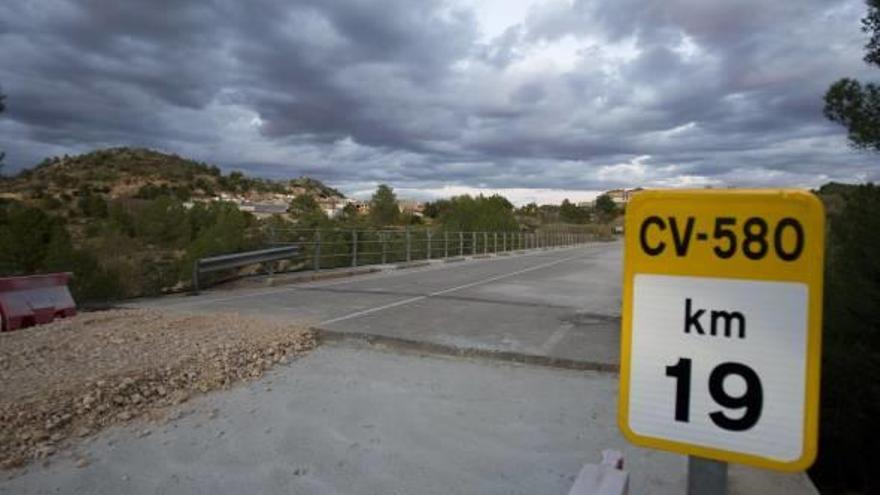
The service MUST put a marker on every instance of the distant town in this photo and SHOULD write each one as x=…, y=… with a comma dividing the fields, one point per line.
x=333, y=206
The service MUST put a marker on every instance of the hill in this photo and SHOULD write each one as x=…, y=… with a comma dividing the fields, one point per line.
x=129, y=222
x=121, y=173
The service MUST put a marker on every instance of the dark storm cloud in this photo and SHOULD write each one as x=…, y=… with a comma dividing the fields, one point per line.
x=670, y=92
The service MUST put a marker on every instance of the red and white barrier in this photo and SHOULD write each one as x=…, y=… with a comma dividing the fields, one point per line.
x=34, y=300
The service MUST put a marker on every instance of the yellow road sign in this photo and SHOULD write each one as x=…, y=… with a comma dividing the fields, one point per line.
x=721, y=327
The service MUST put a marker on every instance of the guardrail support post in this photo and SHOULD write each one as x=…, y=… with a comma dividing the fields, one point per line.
x=317, y=250
x=408, y=247
x=429, y=245
x=354, y=248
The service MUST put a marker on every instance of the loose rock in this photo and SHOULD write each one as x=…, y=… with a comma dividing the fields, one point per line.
x=71, y=378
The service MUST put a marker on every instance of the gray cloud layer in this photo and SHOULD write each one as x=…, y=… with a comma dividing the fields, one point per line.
x=653, y=92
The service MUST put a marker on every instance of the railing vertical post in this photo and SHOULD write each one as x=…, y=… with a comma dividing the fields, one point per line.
x=504, y=243
x=317, y=250
x=408, y=246
x=445, y=244
x=485, y=243
x=429, y=245
x=461, y=243
x=473, y=243
x=354, y=248
x=384, y=248
x=495, y=250
x=521, y=246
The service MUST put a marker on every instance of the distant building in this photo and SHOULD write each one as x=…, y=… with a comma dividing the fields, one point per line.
x=621, y=196
x=412, y=207
x=331, y=206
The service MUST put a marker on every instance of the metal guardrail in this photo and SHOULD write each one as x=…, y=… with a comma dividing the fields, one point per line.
x=320, y=249
x=236, y=260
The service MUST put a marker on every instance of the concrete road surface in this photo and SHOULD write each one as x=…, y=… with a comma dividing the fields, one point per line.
x=562, y=303
x=348, y=420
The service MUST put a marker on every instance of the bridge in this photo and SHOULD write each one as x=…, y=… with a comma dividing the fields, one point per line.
x=489, y=375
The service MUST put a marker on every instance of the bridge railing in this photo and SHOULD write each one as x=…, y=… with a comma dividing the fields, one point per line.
x=335, y=248
x=321, y=249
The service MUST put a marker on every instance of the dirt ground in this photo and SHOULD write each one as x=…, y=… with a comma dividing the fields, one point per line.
x=76, y=376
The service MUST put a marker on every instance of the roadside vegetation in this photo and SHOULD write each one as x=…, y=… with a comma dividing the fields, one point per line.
x=130, y=222
x=849, y=442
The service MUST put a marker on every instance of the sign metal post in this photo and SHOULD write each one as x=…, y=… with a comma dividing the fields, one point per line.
x=706, y=477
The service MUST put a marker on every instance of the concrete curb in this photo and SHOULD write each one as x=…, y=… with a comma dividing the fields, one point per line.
x=454, y=260
x=411, y=264
x=320, y=275
x=414, y=346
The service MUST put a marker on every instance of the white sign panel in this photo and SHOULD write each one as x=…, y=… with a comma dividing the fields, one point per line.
x=720, y=363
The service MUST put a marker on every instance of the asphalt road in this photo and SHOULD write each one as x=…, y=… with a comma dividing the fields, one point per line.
x=562, y=303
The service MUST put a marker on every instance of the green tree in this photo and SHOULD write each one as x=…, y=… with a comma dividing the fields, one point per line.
x=436, y=209
x=221, y=229
x=606, y=208
x=571, y=213
x=854, y=105
x=93, y=280
x=850, y=439
x=383, y=206
x=302, y=205
x=307, y=212
x=529, y=210
x=163, y=222
x=25, y=235
x=479, y=214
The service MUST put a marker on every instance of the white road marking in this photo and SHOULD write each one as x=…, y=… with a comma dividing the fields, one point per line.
x=446, y=291
x=373, y=310
x=555, y=338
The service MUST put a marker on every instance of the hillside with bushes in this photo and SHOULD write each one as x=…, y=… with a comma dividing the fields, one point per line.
x=128, y=222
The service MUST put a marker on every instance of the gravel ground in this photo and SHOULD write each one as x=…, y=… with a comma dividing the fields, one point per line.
x=71, y=378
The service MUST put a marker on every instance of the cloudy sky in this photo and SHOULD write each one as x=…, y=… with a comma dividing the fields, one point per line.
x=535, y=99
